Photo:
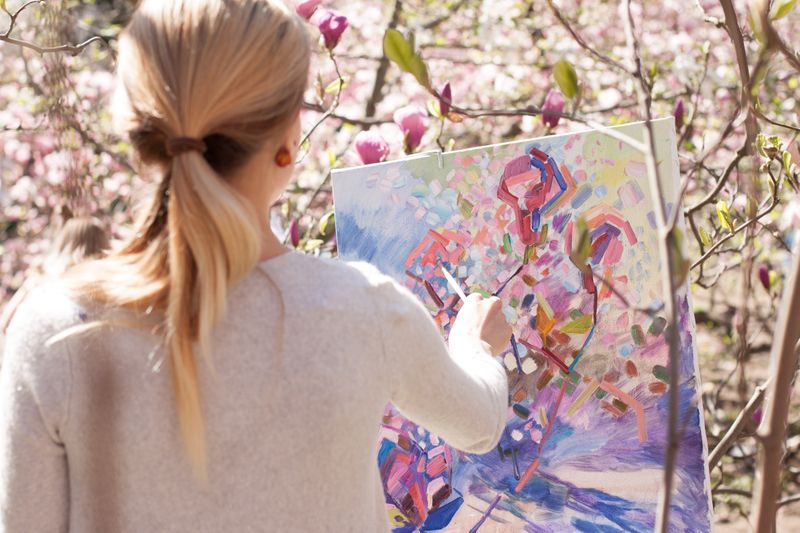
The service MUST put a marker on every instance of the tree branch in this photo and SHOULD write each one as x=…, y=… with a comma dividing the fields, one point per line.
x=744, y=417
x=666, y=247
x=72, y=49
x=383, y=67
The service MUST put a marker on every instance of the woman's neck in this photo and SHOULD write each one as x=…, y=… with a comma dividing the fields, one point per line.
x=271, y=246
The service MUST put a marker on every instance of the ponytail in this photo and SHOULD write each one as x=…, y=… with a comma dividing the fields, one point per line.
x=213, y=241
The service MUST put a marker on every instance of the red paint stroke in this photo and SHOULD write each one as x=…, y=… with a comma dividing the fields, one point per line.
x=535, y=464
x=636, y=405
x=435, y=244
x=598, y=215
x=433, y=295
x=554, y=358
x=416, y=497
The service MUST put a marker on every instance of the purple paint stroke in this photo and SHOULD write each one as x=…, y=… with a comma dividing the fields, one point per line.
x=512, y=276
x=516, y=353
x=486, y=514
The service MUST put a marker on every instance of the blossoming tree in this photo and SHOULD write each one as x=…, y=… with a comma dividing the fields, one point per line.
x=395, y=77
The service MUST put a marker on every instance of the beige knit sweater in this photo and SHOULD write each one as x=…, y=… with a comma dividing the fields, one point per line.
x=307, y=356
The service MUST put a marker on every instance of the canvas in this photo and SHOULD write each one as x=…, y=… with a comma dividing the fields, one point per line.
x=583, y=448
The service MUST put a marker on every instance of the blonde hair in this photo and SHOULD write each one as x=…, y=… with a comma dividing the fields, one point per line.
x=78, y=239
x=231, y=73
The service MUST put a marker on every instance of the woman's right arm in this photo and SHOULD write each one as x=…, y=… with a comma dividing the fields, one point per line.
x=460, y=394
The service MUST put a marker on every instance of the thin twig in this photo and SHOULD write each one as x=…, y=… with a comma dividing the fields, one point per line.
x=330, y=109
x=744, y=417
x=72, y=49
x=788, y=500
x=738, y=229
x=707, y=199
x=583, y=44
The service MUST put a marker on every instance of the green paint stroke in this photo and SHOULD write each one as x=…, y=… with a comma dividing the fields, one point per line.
x=582, y=324
x=661, y=373
x=637, y=334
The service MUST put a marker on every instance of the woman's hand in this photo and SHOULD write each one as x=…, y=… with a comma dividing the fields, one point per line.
x=482, y=319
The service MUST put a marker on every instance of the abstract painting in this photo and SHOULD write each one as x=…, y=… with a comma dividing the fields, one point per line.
x=583, y=448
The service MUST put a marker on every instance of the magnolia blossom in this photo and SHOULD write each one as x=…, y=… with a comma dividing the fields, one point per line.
x=552, y=108
x=763, y=276
x=294, y=232
x=371, y=147
x=411, y=120
x=679, y=113
x=307, y=8
x=446, y=98
x=332, y=26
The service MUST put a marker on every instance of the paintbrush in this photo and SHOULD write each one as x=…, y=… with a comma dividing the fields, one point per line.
x=457, y=288
x=453, y=283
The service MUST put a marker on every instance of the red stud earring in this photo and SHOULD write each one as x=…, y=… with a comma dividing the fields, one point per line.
x=283, y=158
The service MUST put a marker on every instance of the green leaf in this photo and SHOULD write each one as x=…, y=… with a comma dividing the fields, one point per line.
x=331, y=157
x=775, y=141
x=781, y=8
x=336, y=85
x=400, y=50
x=761, y=140
x=705, y=238
x=787, y=162
x=754, y=20
x=313, y=244
x=724, y=215
x=434, y=109
x=327, y=224
x=566, y=78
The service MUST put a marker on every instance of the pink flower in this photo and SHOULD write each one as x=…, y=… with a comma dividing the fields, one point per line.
x=763, y=276
x=678, y=113
x=446, y=98
x=758, y=415
x=411, y=120
x=294, y=232
x=371, y=147
x=307, y=8
x=331, y=27
x=552, y=108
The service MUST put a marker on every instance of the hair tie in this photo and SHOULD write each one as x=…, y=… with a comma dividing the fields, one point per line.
x=179, y=145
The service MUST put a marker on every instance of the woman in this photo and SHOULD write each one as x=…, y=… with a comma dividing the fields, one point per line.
x=78, y=239
x=278, y=365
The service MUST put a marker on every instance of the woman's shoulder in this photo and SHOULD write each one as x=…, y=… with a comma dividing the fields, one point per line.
x=46, y=310
x=329, y=272
x=35, y=353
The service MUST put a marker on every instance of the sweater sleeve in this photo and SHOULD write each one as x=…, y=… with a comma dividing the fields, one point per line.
x=460, y=396
x=34, y=381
